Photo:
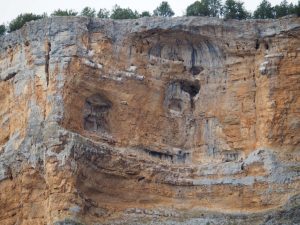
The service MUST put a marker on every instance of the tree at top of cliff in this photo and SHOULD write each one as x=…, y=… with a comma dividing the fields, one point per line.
x=204, y=8
x=164, y=9
x=197, y=9
x=297, y=8
x=88, y=12
x=103, y=13
x=235, y=10
x=119, y=13
x=215, y=7
x=2, y=29
x=264, y=10
x=145, y=14
x=283, y=9
x=65, y=12
x=21, y=19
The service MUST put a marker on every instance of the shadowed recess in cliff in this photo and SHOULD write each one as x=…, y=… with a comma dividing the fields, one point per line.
x=178, y=157
x=196, y=52
x=95, y=113
x=180, y=95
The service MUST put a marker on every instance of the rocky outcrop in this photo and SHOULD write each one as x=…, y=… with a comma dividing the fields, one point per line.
x=150, y=121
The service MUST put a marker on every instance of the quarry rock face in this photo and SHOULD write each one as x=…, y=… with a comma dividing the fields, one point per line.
x=184, y=120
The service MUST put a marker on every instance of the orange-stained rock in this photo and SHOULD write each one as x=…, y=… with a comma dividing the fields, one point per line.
x=183, y=120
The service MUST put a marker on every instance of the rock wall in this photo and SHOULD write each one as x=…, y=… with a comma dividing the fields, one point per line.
x=152, y=121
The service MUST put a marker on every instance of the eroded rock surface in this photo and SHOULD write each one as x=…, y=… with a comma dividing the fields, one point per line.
x=150, y=121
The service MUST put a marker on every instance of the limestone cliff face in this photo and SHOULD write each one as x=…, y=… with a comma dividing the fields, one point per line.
x=150, y=121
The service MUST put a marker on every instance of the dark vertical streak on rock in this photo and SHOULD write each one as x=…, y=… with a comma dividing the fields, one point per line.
x=193, y=56
x=47, y=58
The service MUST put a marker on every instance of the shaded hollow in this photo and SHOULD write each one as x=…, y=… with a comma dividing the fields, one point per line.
x=196, y=52
x=195, y=70
x=180, y=95
x=95, y=113
x=191, y=87
x=179, y=157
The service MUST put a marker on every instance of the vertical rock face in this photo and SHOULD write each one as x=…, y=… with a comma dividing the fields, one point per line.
x=150, y=121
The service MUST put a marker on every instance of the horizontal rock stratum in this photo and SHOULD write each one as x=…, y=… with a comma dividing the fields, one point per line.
x=184, y=120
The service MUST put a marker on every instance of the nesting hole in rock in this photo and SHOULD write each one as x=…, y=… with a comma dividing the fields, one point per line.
x=141, y=178
x=96, y=111
x=242, y=166
x=191, y=87
x=257, y=44
x=266, y=46
x=195, y=70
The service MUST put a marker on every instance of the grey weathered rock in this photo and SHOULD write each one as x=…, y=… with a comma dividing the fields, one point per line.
x=150, y=121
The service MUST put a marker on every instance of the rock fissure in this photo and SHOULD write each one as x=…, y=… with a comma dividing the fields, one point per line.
x=47, y=59
x=10, y=76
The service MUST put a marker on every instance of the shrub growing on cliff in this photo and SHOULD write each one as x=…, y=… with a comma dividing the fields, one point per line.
x=2, y=29
x=119, y=13
x=21, y=19
x=205, y=8
x=164, y=9
x=88, y=12
x=65, y=12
